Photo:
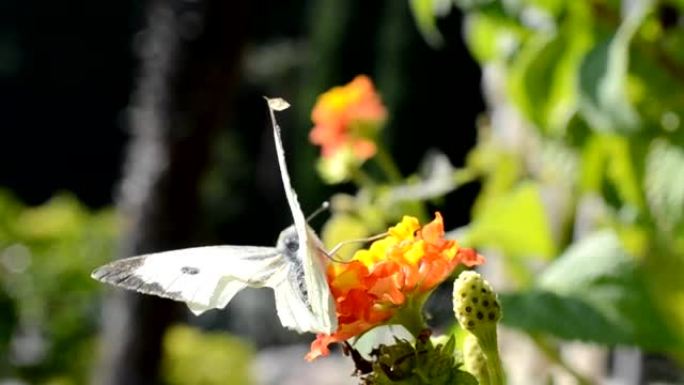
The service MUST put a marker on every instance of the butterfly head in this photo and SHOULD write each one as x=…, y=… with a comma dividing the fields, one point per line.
x=288, y=241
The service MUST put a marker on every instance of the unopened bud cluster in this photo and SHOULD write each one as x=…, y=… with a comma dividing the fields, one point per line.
x=478, y=311
x=475, y=303
x=422, y=363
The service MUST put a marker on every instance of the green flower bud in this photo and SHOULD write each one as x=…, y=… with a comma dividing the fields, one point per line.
x=478, y=310
x=475, y=303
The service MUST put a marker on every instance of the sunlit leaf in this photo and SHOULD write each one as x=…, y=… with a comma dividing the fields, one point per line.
x=543, y=78
x=491, y=36
x=60, y=217
x=664, y=183
x=516, y=223
x=610, y=159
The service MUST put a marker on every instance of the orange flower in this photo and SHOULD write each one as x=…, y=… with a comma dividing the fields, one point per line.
x=347, y=117
x=377, y=282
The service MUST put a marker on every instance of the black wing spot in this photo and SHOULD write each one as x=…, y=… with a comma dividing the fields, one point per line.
x=189, y=270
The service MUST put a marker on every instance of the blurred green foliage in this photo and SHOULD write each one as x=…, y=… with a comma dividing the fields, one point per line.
x=586, y=170
x=48, y=303
x=192, y=357
x=50, y=307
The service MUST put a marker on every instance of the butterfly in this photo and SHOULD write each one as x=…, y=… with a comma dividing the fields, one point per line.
x=209, y=277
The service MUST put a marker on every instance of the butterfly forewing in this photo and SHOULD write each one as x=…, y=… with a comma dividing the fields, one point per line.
x=209, y=277
x=320, y=304
x=203, y=277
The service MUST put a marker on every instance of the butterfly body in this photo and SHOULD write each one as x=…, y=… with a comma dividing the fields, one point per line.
x=209, y=277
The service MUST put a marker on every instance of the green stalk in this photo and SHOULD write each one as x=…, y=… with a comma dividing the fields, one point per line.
x=410, y=316
x=361, y=179
x=488, y=344
x=387, y=164
x=464, y=175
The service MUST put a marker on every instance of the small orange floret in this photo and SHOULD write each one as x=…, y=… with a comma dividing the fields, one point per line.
x=377, y=282
x=470, y=257
x=348, y=117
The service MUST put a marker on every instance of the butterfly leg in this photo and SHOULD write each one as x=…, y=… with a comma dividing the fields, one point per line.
x=331, y=253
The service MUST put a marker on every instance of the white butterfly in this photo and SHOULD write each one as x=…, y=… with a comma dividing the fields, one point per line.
x=208, y=277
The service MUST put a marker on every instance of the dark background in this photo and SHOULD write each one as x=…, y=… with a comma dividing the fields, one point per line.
x=67, y=70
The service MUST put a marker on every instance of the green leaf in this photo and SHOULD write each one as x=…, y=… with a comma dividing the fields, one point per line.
x=593, y=292
x=664, y=184
x=491, y=36
x=609, y=161
x=460, y=377
x=515, y=222
x=541, y=311
x=543, y=77
x=604, y=100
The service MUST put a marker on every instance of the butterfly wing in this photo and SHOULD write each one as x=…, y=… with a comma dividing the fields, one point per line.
x=318, y=314
x=209, y=277
x=293, y=308
x=202, y=277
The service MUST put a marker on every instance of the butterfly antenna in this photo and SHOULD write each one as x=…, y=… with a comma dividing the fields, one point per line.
x=324, y=206
x=332, y=252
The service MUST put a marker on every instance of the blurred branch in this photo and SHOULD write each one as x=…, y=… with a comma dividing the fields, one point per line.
x=551, y=352
x=189, y=55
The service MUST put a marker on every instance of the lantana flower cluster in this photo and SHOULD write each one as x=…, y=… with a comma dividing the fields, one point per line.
x=346, y=121
x=401, y=268
x=388, y=282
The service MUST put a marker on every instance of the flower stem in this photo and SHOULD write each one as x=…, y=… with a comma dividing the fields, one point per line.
x=496, y=376
x=463, y=175
x=361, y=179
x=411, y=317
x=490, y=348
x=387, y=164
